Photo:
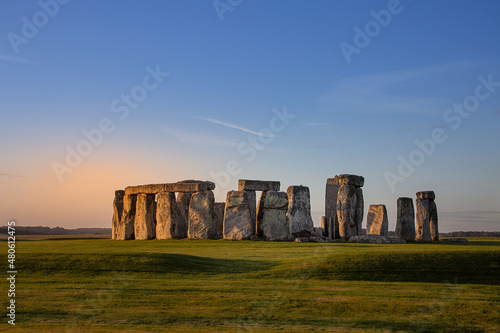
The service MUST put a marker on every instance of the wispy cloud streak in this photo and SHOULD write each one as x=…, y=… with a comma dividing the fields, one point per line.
x=223, y=123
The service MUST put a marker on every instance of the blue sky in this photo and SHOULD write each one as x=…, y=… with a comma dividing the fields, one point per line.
x=173, y=90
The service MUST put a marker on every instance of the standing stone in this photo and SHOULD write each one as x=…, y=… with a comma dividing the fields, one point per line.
x=260, y=213
x=360, y=210
x=426, y=195
x=433, y=221
x=274, y=223
x=331, y=194
x=117, y=213
x=237, y=221
x=126, y=229
x=145, y=224
x=299, y=211
x=423, y=220
x=377, y=222
x=219, y=209
x=169, y=222
x=405, y=223
x=348, y=211
x=252, y=205
x=183, y=199
x=201, y=219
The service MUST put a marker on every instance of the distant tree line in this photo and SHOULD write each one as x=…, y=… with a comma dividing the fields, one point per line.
x=57, y=231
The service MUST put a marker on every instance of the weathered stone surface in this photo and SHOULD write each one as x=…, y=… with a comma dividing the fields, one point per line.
x=237, y=222
x=259, y=213
x=423, y=220
x=376, y=239
x=274, y=223
x=117, y=213
x=252, y=205
x=377, y=222
x=145, y=224
x=219, y=208
x=348, y=211
x=183, y=199
x=125, y=230
x=302, y=240
x=182, y=186
x=201, y=215
x=331, y=193
x=352, y=180
x=426, y=195
x=169, y=221
x=258, y=185
x=433, y=221
x=405, y=223
x=360, y=210
x=299, y=211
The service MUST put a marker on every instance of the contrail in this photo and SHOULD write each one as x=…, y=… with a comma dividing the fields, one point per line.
x=215, y=121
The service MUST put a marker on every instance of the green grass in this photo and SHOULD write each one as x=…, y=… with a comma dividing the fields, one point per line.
x=82, y=285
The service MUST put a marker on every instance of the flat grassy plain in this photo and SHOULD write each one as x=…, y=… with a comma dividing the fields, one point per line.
x=101, y=285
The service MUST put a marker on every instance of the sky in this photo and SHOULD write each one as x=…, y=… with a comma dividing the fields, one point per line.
x=96, y=96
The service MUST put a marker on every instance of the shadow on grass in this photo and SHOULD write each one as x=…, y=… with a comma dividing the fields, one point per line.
x=167, y=263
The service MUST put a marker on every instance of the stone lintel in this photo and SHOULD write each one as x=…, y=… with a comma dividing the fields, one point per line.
x=170, y=187
x=258, y=185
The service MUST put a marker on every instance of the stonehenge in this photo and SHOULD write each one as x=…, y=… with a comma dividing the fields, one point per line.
x=377, y=222
x=187, y=209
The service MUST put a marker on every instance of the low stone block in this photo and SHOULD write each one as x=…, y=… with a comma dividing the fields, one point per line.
x=377, y=222
x=258, y=185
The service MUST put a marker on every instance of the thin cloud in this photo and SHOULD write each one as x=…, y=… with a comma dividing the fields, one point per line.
x=223, y=123
x=380, y=93
x=9, y=58
x=198, y=139
x=9, y=175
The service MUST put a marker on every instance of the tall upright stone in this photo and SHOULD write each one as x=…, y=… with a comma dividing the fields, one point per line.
x=201, y=215
x=299, y=211
x=252, y=205
x=274, y=222
x=350, y=205
x=126, y=229
x=260, y=213
x=431, y=215
x=183, y=199
x=377, y=222
x=433, y=221
x=237, y=221
x=117, y=213
x=169, y=222
x=219, y=209
x=331, y=194
x=423, y=220
x=405, y=223
x=145, y=222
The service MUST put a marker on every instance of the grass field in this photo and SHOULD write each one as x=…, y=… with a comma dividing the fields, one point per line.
x=100, y=285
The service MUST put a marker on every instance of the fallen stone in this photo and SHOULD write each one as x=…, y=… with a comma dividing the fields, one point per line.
x=423, y=221
x=352, y=180
x=299, y=211
x=170, y=223
x=237, y=222
x=426, y=195
x=258, y=185
x=117, y=213
x=376, y=239
x=377, y=222
x=219, y=208
x=315, y=239
x=405, y=223
x=145, y=224
x=274, y=223
x=201, y=215
x=433, y=221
